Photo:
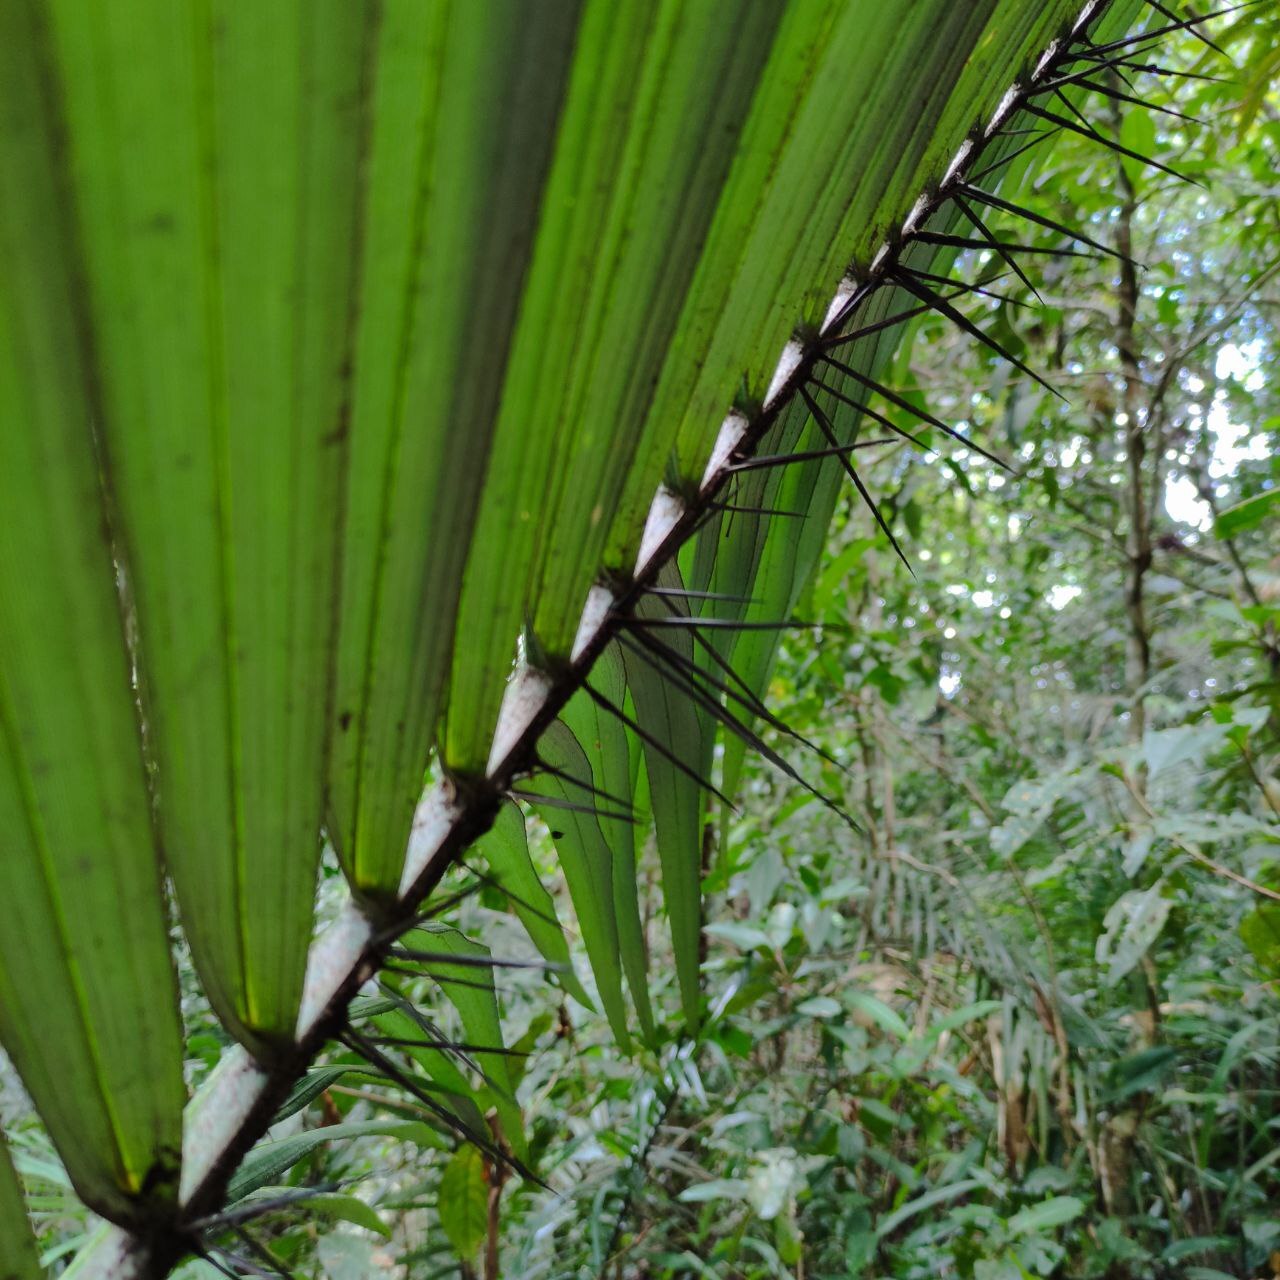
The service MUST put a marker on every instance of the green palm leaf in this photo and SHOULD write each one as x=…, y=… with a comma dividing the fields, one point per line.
x=678, y=738
x=506, y=849
x=87, y=992
x=338, y=342
x=19, y=1260
x=587, y=861
x=610, y=748
x=218, y=280
x=457, y=965
x=462, y=121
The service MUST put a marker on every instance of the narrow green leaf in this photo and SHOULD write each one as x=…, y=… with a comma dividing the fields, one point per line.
x=608, y=745
x=449, y=1086
x=18, y=1258
x=464, y=109
x=958, y=1017
x=820, y=1007
x=309, y=1088
x=506, y=849
x=1130, y=929
x=768, y=561
x=1260, y=930
x=215, y=156
x=1057, y=1211
x=328, y=1204
x=828, y=167
x=267, y=1161
x=470, y=989
x=463, y=1204
x=587, y=862
x=651, y=119
x=877, y=1011
x=938, y=1195
x=674, y=727
x=700, y=68
x=88, y=1000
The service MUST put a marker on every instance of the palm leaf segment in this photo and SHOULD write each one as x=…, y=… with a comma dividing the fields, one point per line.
x=18, y=1258
x=339, y=341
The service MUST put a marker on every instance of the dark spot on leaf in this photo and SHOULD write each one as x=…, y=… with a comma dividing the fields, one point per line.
x=161, y=223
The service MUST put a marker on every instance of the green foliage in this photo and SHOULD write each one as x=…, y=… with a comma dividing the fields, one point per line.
x=19, y=1260
x=506, y=849
x=1022, y=1022
x=269, y=1160
x=464, y=1201
x=1005, y=1005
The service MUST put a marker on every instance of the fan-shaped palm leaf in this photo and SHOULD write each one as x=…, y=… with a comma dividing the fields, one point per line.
x=339, y=342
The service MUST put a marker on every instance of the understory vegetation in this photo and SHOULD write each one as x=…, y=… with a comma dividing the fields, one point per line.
x=1007, y=1005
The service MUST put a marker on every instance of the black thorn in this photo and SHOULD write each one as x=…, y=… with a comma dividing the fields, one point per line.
x=733, y=507
x=1085, y=80
x=860, y=295
x=557, y=802
x=589, y=787
x=967, y=242
x=206, y=1254
x=438, y=908
x=879, y=417
x=925, y=294
x=976, y=221
x=411, y=1042
x=243, y=1212
x=685, y=594
x=1007, y=206
x=425, y=1024
x=262, y=1253
x=509, y=893
x=1199, y=35
x=923, y=414
x=1012, y=156
x=659, y=746
x=1118, y=147
x=750, y=702
x=684, y=622
x=977, y=289
x=829, y=431
x=1079, y=115
x=466, y=962
x=361, y=1045
x=395, y=966
x=1143, y=37
x=840, y=339
x=1154, y=69
x=752, y=699
x=731, y=722
x=1119, y=75
x=901, y=317
x=805, y=455
x=1119, y=96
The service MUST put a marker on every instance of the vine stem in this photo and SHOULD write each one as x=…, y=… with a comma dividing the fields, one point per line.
x=235, y=1106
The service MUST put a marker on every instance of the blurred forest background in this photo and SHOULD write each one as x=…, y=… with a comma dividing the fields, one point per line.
x=1024, y=1023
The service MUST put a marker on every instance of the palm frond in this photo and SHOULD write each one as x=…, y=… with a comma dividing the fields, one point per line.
x=339, y=343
